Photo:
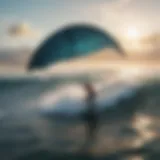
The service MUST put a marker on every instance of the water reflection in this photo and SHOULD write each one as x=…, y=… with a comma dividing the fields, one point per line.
x=144, y=124
x=112, y=135
x=119, y=137
x=129, y=130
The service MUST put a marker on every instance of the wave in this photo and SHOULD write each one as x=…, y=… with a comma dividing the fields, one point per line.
x=61, y=93
x=71, y=98
x=24, y=102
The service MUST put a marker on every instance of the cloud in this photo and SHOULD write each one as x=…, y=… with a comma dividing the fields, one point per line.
x=154, y=38
x=121, y=4
x=114, y=9
x=124, y=2
x=152, y=41
x=23, y=30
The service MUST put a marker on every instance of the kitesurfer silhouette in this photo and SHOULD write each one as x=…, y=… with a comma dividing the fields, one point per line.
x=90, y=115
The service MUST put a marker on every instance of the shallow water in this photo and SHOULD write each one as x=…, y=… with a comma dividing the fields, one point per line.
x=31, y=129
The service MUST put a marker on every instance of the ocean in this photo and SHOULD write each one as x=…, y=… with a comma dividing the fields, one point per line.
x=41, y=116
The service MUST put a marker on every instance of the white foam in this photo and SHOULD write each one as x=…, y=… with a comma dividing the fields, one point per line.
x=71, y=98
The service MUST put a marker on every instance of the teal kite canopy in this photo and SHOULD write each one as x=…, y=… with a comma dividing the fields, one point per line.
x=71, y=42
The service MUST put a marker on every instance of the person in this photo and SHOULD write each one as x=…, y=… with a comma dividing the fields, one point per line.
x=90, y=115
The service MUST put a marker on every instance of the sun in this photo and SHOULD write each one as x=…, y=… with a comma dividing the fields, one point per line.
x=132, y=38
x=133, y=33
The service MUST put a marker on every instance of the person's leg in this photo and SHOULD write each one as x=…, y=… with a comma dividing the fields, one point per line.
x=90, y=133
x=92, y=129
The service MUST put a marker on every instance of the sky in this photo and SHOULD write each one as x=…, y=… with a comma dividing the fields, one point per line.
x=27, y=23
